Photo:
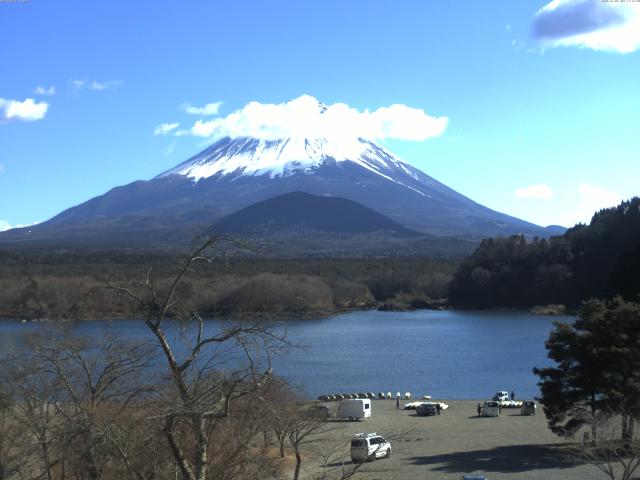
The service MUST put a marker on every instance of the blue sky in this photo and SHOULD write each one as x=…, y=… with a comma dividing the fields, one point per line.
x=542, y=98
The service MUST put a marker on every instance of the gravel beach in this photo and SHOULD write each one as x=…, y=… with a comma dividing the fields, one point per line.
x=456, y=442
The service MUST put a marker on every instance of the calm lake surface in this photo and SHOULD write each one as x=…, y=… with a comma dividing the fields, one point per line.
x=446, y=354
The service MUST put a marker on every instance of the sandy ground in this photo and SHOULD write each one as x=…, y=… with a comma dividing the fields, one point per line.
x=458, y=441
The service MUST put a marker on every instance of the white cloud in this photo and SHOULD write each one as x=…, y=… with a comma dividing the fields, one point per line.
x=579, y=205
x=208, y=109
x=77, y=83
x=594, y=198
x=39, y=90
x=540, y=191
x=596, y=24
x=165, y=128
x=306, y=117
x=26, y=110
x=109, y=85
x=4, y=225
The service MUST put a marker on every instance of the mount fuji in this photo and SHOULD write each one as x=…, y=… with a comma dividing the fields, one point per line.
x=234, y=173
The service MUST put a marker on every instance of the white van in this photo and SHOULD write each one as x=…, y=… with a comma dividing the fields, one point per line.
x=368, y=447
x=354, y=409
x=491, y=409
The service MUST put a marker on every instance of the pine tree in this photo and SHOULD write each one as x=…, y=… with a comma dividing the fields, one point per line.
x=597, y=368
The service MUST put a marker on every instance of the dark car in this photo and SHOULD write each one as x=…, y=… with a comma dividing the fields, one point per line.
x=319, y=411
x=426, y=409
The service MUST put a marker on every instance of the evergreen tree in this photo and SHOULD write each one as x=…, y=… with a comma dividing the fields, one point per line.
x=599, y=260
x=597, y=368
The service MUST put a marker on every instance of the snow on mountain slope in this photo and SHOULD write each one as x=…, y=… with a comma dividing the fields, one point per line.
x=280, y=158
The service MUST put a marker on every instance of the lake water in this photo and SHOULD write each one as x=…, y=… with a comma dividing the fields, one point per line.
x=446, y=354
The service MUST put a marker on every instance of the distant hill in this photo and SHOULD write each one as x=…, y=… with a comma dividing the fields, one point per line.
x=601, y=259
x=299, y=212
x=554, y=230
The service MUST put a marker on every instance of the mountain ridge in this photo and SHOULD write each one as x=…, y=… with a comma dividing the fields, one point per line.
x=232, y=174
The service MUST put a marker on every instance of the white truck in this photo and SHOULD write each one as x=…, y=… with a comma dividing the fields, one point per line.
x=501, y=396
x=506, y=401
x=354, y=409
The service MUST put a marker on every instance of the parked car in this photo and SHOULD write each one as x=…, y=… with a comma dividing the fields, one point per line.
x=368, y=447
x=528, y=408
x=473, y=477
x=426, y=409
x=319, y=411
x=491, y=409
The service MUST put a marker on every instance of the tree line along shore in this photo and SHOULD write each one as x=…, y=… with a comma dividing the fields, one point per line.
x=69, y=285
x=599, y=260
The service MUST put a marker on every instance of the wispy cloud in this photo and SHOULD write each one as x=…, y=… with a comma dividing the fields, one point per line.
x=78, y=84
x=170, y=148
x=208, y=109
x=594, y=24
x=108, y=85
x=539, y=191
x=1, y=168
x=27, y=110
x=165, y=128
x=306, y=117
x=39, y=90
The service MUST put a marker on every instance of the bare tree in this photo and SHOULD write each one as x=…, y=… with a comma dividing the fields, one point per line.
x=82, y=408
x=33, y=396
x=614, y=452
x=210, y=375
x=304, y=430
x=74, y=398
x=333, y=458
x=14, y=443
x=276, y=406
x=331, y=453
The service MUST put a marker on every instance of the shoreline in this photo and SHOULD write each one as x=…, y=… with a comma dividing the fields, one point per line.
x=312, y=315
x=240, y=316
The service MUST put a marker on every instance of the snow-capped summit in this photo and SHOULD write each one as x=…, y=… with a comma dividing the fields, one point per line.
x=302, y=136
x=286, y=157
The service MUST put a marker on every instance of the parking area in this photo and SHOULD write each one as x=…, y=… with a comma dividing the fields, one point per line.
x=457, y=441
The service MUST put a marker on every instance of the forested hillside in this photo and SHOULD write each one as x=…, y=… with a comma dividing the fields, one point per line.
x=601, y=259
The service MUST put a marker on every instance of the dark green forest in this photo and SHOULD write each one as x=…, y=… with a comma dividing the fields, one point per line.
x=600, y=260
